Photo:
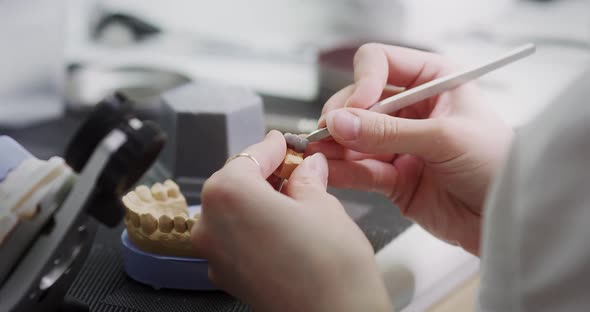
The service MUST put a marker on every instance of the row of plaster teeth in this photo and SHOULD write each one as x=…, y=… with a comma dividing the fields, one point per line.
x=149, y=224
x=159, y=200
x=159, y=192
x=163, y=208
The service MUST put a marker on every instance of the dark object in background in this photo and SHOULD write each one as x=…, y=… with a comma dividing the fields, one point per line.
x=207, y=123
x=107, y=115
x=139, y=28
x=143, y=145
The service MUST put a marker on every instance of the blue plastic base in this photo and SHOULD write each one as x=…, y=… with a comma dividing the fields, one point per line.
x=163, y=271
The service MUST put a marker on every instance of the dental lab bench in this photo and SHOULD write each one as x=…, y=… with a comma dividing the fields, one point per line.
x=95, y=145
x=93, y=274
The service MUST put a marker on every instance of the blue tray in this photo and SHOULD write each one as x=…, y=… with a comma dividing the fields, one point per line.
x=165, y=271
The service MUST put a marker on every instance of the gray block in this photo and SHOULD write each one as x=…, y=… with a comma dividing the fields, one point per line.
x=206, y=123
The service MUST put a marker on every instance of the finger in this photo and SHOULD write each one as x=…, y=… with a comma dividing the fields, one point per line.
x=370, y=76
x=364, y=175
x=391, y=90
x=376, y=65
x=309, y=180
x=221, y=279
x=375, y=133
x=212, y=276
x=269, y=153
x=339, y=99
x=335, y=101
x=200, y=240
x=335, y=151
x=276, y=182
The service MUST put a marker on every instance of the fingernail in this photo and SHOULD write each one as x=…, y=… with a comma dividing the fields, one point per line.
x=270, y=133
x=319, y=162
x=322, y=161
x=316, y=164
x=321, y=120
x=343, y=124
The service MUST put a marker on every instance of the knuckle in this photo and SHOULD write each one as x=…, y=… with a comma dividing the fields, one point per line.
x=225, y=190
x=444, y=136
x=212, y=183
x=443, y=131
x=215, y=189
x=383, y=130
x=332, y=200
x=304, y=182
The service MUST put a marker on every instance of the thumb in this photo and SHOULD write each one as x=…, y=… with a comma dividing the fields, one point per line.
x=309, y=180
x=375, y=133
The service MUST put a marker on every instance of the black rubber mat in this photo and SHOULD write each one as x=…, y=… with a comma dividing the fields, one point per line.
x=103, y=285
x=143, y=298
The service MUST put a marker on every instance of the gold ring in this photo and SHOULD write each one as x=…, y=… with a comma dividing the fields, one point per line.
x=243, y=155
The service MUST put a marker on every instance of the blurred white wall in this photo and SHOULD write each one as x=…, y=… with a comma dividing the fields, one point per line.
x=32, y=43
x=428, y=20
x=272, y=24
x=276, y=23
x=31, y=59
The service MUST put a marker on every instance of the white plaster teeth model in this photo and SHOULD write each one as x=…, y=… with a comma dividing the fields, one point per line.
x=157, y=220
x=23, y=189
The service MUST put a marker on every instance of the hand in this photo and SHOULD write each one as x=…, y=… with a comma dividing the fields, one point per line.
x=297, y=251
x=434, y=159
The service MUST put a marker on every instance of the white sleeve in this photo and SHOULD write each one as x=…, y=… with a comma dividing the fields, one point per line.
x=536, y=248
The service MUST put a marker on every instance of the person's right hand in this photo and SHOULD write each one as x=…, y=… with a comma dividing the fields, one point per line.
x=434, y=159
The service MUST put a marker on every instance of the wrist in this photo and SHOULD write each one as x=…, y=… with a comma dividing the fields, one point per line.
x=362, y=289
x=369, y=297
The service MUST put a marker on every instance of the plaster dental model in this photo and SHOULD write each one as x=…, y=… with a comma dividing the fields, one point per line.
x=296, y=146
x=25, y=182
x=158, y=221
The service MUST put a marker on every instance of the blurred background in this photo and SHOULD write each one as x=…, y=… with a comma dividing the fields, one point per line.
x=64, y=56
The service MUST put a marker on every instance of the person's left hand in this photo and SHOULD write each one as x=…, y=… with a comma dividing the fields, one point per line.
x=297, y=251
